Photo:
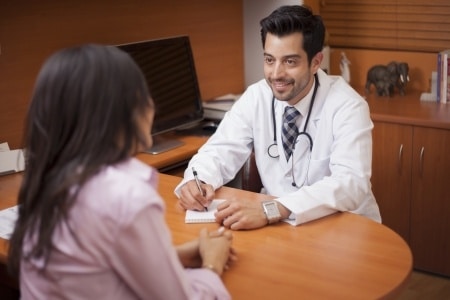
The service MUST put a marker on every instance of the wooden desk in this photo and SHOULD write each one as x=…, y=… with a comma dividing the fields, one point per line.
x=342, y=256
x=175, y=156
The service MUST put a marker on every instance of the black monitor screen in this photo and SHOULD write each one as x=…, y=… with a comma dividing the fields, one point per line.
x=168, y=66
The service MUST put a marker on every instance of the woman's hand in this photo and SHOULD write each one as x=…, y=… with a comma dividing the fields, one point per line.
x=191, y=256
x=215, y=250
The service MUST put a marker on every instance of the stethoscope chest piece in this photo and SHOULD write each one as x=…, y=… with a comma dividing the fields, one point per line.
x=273, y=150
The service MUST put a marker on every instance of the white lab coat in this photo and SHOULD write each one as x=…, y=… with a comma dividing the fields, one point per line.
x=335, y=176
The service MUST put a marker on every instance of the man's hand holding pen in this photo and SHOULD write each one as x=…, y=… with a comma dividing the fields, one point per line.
x=199, y=186
x=196, y=194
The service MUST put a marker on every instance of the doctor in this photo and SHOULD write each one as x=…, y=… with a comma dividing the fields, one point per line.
x=325, y=166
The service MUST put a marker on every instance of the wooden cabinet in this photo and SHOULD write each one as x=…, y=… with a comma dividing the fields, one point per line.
x=391, y=174
x=430, y=201
x=411, y=175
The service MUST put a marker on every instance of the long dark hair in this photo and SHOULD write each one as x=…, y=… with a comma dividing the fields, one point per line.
x=82, y=116
x=295, y=18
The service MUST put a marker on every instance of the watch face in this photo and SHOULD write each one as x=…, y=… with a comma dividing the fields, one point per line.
x=272, y=209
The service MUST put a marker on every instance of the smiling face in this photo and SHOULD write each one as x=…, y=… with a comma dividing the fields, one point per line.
x=286, y=67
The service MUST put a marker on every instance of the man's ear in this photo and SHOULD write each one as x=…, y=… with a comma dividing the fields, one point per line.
x=316, y=61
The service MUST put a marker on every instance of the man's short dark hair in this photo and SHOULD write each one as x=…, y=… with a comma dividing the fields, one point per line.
x=289, y=19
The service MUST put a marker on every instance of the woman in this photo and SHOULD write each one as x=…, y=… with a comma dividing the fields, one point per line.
x=91, y=223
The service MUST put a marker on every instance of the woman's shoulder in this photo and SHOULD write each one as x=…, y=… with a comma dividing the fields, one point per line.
x=121, y=191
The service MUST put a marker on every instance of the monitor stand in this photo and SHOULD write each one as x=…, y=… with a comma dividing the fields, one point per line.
x=162, y=144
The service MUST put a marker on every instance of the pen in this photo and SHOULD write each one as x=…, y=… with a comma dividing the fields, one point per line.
x=197, y=181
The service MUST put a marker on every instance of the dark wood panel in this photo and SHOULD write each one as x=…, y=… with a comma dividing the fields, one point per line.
x=30, y=31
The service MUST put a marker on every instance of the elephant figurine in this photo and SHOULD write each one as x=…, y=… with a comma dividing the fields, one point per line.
x=386, y=78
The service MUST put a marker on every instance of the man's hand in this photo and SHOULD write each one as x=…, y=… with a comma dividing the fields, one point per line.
x=239, y=214
x=192, y=198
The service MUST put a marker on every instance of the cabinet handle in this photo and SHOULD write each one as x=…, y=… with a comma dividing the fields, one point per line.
x=400, y=154
x=422, y=151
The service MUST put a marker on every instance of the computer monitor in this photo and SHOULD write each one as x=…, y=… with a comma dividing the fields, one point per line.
x=168, y=65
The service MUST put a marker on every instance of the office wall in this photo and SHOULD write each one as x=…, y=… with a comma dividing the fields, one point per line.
x=31, y=30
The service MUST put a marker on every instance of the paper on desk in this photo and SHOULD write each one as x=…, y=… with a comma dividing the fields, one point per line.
x=8, y=219
x=220, y=105
x=227, y=97
x=4, y=146
x=193, y=216
x=11, y=161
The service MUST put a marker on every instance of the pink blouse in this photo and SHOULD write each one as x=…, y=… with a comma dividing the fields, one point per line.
x=122, y=250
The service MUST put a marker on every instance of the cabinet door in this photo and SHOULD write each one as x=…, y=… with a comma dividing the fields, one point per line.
x=430, y=207
x=391, y=174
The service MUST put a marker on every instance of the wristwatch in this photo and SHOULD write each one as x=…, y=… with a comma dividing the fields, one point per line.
x=271, y=210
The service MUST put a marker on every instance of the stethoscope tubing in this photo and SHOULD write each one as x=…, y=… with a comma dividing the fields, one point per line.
x=272, y=150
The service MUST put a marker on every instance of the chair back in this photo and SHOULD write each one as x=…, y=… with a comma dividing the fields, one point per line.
x=250, y=179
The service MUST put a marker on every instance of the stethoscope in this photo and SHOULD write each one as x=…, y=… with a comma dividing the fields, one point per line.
x=272, y=150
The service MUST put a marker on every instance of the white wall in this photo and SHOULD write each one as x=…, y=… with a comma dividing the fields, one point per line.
x=254, y=11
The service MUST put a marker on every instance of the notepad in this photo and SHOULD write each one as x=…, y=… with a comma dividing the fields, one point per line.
x=8, y=219
x=194, y=216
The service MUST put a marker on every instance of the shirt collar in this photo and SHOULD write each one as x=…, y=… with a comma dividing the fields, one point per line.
x=303, y=105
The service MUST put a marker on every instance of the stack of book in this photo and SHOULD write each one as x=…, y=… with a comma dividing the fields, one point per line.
x=216, y=108
x=443, y=76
